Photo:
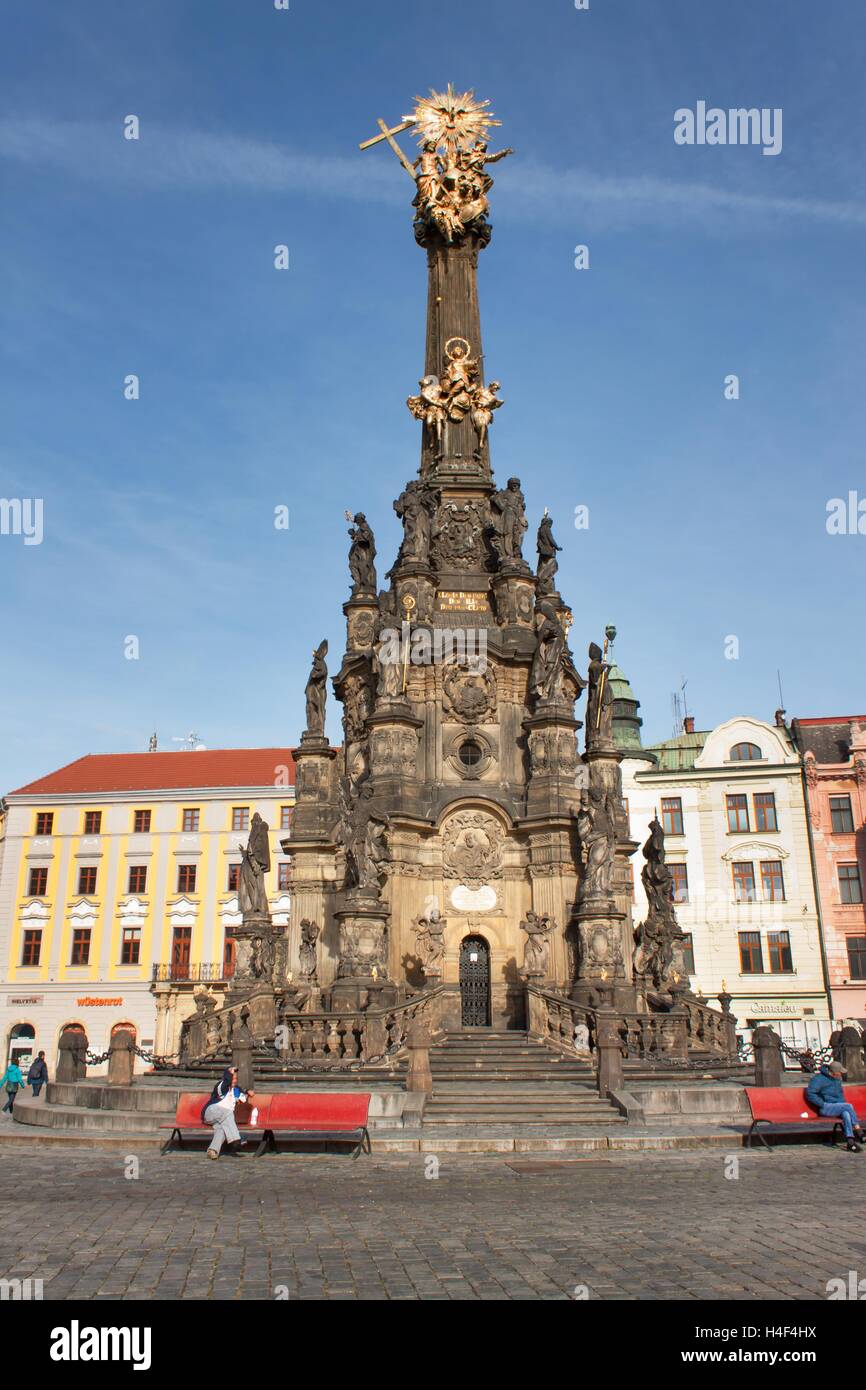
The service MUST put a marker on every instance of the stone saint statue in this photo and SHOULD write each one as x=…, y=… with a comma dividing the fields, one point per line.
x=362, y=555
x=599, y=708
x=316, y=692
x=362, y=833
x=547, y=561
x=596, y=829
x=307, y=950
x=430, y=939
x=509, y=522
x=658, y=938
x=552, y=659
x=416, y=508
x=252, y=898
x=536, y=954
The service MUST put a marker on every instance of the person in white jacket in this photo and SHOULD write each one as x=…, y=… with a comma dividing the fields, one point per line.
x=219, y=1111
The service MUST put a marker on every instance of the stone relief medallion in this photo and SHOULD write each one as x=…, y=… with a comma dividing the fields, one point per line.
x=362, y=628
x=600, y=948
x=472, y=848
x=470, y=695
x=465, y=899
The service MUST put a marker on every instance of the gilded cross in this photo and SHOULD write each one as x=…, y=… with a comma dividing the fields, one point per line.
x=389, y=136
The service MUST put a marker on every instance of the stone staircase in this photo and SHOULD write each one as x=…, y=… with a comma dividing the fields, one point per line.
x=488, y=1076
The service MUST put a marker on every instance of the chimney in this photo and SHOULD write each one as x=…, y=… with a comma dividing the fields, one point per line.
x=689, y=724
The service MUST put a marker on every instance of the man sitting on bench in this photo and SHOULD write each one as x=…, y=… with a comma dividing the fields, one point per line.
x=220, y=1112
x=826, y=1094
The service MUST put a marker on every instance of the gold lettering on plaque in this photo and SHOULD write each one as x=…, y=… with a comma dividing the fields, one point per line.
x=461, y=601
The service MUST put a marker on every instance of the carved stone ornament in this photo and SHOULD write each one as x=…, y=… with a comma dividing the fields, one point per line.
x=458, y=536
x=472, y=847
x=470, y=695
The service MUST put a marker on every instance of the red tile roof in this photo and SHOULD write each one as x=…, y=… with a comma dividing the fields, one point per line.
x=187, y=768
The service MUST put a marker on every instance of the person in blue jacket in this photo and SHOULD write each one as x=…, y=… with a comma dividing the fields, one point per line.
x=12, y=1079
x=825, y=1092
x=219, y=1111
x=38, y=1074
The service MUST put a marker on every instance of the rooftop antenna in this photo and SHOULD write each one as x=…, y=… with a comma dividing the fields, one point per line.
x=190, y=742
x=680, y=708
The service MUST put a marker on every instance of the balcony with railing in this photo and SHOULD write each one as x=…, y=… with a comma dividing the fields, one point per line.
x=190, y=972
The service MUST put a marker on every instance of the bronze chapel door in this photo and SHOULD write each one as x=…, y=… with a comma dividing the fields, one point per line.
x=474, y=982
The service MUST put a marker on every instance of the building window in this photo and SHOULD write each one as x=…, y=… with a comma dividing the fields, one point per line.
x=186, y=878
x=772, y=882
x=857, y=957
x=850, y=887
x=841, y=816
x=234, y=873
x=31, y=948
x=672, y=815
x=141, y=823
x=765, y=811
x=751, y=959
x=779, y=946
x=738, y=813
x=745, y=753
x=190, y=818
x=130, y=946
x=744, y=883
x=80, y=946
x=137, y=878
x=285, y=817
x=87, y=880
x=38, y=886
x=283, y=875
x=92, y=822
x=470, y=753
x=680, y=876
x=181, y=945
x=240, y=818
x=44, y=822
x=689, y=953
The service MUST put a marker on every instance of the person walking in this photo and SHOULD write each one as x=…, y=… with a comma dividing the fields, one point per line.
x=12, y=1079
x=37, y=1076
x=826, y=1093
x=219, y=1111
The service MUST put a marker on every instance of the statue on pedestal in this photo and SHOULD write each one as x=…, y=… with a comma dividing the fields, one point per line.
x=362, y=833
x=599, y=700
x=547, y=561
x=536, y=953
x=658, y=938
x=252, y=898
x=316, y=692
x=552, y=659
x=596, y=829
x=362, y=555
x=430, y=939
x=508, y=508
x=429, y=407
x=416, y=507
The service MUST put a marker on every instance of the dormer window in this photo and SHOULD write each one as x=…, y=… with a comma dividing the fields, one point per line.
x=745, y=753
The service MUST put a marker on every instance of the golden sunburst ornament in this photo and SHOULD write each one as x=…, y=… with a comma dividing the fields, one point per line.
x=451, y=120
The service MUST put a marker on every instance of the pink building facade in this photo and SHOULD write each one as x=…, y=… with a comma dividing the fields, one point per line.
x=833, y=751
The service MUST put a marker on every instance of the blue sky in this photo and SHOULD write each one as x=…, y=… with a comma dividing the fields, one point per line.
x=261, y=388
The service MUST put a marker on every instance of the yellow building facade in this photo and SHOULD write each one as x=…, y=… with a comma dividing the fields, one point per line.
x=117, y=887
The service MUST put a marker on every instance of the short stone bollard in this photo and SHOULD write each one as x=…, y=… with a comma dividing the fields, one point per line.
x=851, y=1055
x=768, y=1056
x=419, y=1076
x=609, y=1045
x=242, y=1051
x=72, y=1056
x=121, y=1058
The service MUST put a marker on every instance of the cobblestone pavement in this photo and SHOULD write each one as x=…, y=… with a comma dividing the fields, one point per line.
x=646, y=1226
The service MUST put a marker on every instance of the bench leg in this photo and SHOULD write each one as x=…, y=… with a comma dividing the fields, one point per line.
x=265, y=1142
x=170, y=1140
x=363, y=1144
x=754, y=1130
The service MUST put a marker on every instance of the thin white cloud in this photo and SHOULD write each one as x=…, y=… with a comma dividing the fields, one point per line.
x=164, y=159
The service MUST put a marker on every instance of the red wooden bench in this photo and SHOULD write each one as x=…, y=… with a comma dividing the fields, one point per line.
x=187, y=1117
x=318, y=1116
x=787, y=1105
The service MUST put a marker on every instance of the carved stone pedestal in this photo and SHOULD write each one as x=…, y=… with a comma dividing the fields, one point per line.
x=513, y=596
x=255, y=957
x=313, y=758
x=601, y=971
x=362, y=972
x=551, y=734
